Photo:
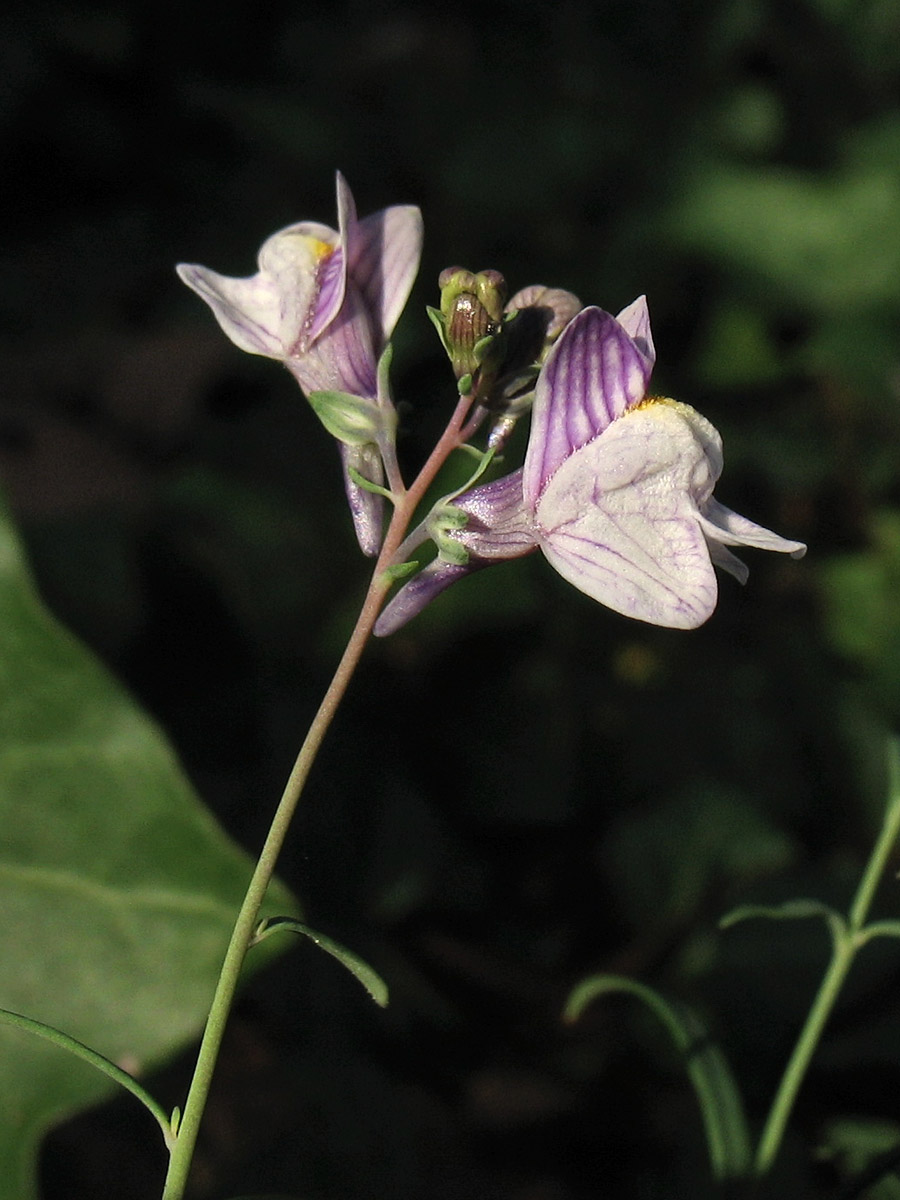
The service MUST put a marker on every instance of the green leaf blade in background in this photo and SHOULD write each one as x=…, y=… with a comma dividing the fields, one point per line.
x=117, y=888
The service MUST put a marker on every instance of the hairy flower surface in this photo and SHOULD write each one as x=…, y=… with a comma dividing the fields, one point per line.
x=616, y=489
x=324, y=302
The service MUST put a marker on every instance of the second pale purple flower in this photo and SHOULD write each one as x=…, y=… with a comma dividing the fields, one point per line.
x=324, y=302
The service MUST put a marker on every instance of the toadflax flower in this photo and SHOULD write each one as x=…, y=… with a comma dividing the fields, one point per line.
x=616, y=489
x=324, y=302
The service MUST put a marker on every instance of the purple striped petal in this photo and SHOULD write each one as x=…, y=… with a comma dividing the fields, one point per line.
x=384, y=253
x=594, y=374
x=499, y=526
x=248, y=310
x=419, y=592
x=330, y=285
x=342, y=358
x=332, y=275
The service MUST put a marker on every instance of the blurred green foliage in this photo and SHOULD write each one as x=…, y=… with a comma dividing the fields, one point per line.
x=522, y=789
x=118, y=891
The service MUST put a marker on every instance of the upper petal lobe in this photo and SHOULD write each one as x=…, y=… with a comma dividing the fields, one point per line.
x=592, y=376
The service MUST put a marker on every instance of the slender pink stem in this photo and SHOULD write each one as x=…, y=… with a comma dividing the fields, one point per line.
x=242, y=934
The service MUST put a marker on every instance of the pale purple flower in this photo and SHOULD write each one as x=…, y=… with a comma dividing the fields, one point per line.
x=324, y=302
x=616, y=489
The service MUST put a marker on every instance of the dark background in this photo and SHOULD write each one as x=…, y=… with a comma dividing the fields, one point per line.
x=522, y=788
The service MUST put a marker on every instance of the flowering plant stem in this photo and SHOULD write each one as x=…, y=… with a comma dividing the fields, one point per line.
x=406, y=500
x=848, y=937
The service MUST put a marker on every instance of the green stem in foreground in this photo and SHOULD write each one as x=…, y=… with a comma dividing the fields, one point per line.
x=245, y=925
x=848, y=937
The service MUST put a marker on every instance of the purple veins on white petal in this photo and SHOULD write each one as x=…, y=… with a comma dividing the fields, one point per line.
x=384, y=260
x=330, y=285
x=593, y=375
x=619, y=520
x=630, y=519
x=616, y=490
x=500, y=525
x=248, y=310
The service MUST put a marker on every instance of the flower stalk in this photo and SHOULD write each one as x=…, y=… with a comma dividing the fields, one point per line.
x=183, y=1144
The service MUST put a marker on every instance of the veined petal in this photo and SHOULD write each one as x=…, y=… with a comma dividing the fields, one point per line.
x=248, y=310
x=728, y=528
x=384, y=251
x=500, y=525
x=296, y=260
x=332, y=272
x=635, y=320
x=342, y=358
x=419, y=592
x=619, y=520
x=594, y=374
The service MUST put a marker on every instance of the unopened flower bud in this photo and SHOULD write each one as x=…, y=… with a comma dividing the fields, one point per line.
x=472, y=315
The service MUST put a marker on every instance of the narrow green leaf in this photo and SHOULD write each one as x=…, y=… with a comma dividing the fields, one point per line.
x=370, y=979
x=73, y=1046
x=714, y=1084
x=791, y=910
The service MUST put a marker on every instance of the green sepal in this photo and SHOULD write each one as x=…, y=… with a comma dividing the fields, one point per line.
x=399, y=571
x=370, y=979
x=446, y=517
x=437, y=319
x=717, y=1093
x=443, y=521
x=367, y=485
x=464, y=384
x=353, y=420
x=482, y=348
x=383, y=372
x=450, y=550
